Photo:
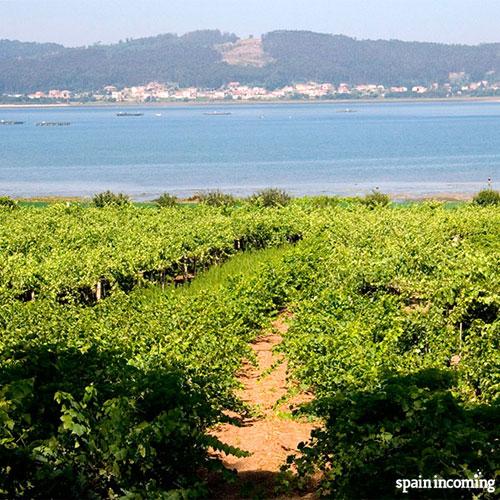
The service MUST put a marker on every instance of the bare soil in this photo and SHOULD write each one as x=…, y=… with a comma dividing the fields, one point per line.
x=268, y=435
x=247, y=52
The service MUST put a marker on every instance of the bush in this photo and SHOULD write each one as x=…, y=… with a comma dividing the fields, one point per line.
x=7, y=202
x=90, y=434
x=271, y=197
x=376, y=199
x=167, y=200
x=109, y=198
x=413, y=425
x=216, y=199
x=487, y=197
x=324, y=201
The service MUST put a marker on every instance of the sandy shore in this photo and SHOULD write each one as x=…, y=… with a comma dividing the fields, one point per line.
x=251, y=103
x=57, y=105
x=435, y=196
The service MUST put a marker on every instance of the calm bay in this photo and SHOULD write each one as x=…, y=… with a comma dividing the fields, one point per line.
x=416, y=149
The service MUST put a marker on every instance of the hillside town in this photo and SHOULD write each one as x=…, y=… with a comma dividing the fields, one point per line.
x=457, y=86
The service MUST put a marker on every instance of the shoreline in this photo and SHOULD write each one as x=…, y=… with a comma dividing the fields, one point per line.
x=395, y=197
x=408, y=100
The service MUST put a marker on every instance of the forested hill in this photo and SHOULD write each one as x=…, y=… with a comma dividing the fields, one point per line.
x=211, y=58
x=339, y=58
x=12, y=50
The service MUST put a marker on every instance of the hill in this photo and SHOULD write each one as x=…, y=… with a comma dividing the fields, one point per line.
x=306, y=55
x=14, y=50
x=210, y=59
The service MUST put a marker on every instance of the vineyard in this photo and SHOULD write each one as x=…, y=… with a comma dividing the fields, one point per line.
x=123, y=330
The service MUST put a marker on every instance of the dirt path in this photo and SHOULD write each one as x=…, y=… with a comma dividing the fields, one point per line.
x=268, y=436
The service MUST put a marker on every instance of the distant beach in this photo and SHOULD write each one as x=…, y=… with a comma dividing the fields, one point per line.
x=494, y=99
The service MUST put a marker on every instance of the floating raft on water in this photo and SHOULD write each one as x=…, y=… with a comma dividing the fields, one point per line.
x=217, y=113
x=10, y=122
x=123, y=113
x=53, y=124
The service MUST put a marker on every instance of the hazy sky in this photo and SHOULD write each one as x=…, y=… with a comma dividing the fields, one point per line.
x=81, y=22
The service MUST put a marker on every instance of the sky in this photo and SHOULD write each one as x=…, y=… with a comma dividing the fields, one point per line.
x=84, y=22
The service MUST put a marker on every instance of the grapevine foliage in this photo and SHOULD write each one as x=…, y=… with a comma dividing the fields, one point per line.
x=395, y=330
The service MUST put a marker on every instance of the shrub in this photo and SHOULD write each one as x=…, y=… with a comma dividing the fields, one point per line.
x=167, y=200
x=324, y=201
x=376, y=199
x=271, y=197
x=108, y=198
x=412, y=425
x=96, y=433
x=216, y=199
x=7, y=202
x=487, y=197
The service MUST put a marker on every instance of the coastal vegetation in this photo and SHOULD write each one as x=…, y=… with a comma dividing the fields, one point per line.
x=487, y=197
x=8, y=202
x=376, y=199
x=271, y=197
x=108, y=198
x=216, y=199
x=167, y=200
x=123, y=330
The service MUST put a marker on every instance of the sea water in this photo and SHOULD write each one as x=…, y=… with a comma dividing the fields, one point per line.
x=419, y=148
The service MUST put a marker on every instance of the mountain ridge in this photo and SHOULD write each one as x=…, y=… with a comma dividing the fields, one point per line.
x=211, y=58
